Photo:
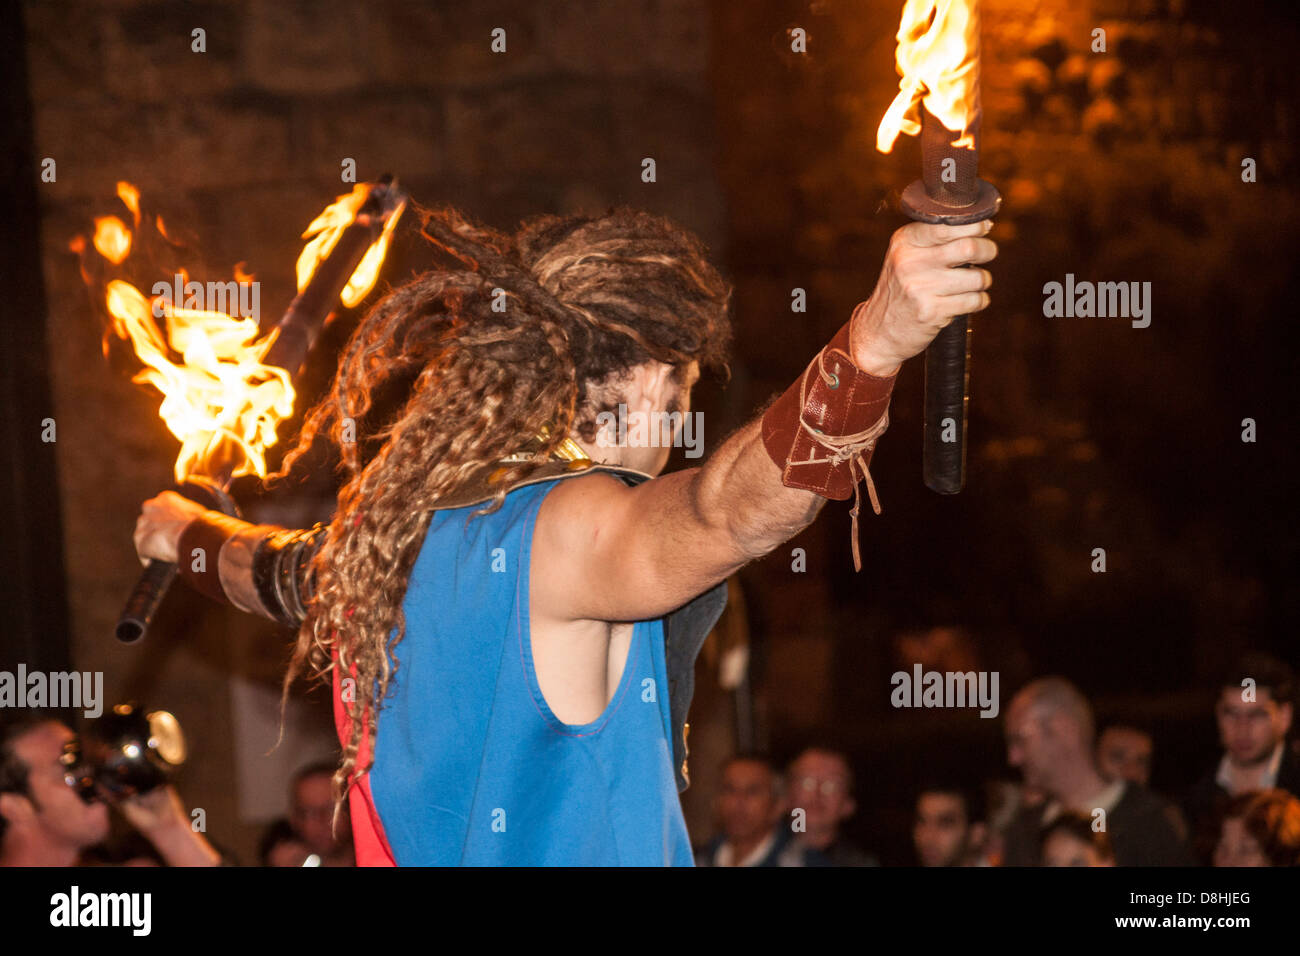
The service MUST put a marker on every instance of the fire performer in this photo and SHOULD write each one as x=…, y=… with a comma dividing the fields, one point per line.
x=525, y=598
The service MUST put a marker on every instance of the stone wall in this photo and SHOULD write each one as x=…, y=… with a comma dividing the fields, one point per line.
x=241, y=145
x=1085, y=433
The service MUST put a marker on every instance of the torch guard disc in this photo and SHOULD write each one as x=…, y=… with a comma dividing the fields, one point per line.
x=210, y=493
x=918, y=205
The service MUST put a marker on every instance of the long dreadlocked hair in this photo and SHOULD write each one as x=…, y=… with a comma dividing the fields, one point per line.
x=586, y=300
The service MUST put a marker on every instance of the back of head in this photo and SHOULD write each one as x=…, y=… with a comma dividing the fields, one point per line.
x=642, y=287
x=1050, y=697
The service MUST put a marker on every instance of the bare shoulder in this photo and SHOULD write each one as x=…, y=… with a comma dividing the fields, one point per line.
x=574, y=516
x=606, y=551
x=574, y=511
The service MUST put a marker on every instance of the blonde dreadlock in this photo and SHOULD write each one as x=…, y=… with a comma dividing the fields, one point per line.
x=587, y=299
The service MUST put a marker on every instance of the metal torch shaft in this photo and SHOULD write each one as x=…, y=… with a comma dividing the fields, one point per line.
x=949, y=192
x=298, y=330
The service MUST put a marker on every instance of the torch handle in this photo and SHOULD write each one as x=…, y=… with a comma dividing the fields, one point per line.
x=947, y=379
x=157, y=577
x=947, y=360
x=148, y=593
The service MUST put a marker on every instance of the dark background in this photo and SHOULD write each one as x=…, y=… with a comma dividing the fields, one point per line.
x=1085, y=433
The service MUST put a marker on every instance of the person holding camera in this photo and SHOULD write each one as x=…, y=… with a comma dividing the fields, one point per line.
x=46, y=821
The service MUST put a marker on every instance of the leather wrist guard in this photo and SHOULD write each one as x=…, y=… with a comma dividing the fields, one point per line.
x=823, y=430
x=262, y=569
x=282, y=572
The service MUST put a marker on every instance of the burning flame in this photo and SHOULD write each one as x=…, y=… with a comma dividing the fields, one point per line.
x=938, y=60
x=219, y=397
x=328, y=227
x=220, y=393
x=112, y=239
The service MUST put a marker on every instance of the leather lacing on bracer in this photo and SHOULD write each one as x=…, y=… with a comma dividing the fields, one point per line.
x=850, y=448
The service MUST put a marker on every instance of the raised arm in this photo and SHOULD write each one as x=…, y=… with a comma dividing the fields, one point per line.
x=603, y=551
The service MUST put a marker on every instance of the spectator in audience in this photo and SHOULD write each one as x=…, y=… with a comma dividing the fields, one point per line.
x=1260, y=829
x=281, y=846
x=749, y=807
x=1124, y=753
x=1253, y=710
x=1050, y=730
x=311, y=813
x=1073, y=840
x=44, y=821
x=819, y=800
x=1004, y=799
x=950, y=828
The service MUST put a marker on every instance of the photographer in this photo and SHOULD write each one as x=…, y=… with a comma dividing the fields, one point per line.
x=44, y=820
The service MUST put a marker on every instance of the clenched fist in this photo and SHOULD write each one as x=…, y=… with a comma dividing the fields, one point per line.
x=920, y=290
x=159, y=527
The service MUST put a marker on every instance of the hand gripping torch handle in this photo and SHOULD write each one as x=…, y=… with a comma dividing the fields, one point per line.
x=158, y=576
x=951, y=193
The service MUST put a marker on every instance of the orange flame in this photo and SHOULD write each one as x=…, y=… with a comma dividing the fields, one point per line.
x=130, y=197
x=219, y=393
x=328, y=227
x=112, y=239
x=938, y=60
x=220, y=399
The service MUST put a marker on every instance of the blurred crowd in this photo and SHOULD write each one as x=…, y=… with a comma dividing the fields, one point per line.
x=1082, y=798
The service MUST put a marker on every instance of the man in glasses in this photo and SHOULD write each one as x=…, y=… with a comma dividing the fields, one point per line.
x=46, y=821
x=819, y=783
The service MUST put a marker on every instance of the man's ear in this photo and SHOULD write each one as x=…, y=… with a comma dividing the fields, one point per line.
x=1286, y=712
x=652, y=385
x=16, y=808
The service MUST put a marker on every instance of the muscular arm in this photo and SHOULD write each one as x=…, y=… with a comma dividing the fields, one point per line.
x=606, y=552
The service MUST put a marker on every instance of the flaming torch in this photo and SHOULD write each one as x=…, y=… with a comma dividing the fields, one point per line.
x=939, y=98
x=226, y=383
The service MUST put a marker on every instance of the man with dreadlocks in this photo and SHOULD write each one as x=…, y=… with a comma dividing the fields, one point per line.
x=517, y=589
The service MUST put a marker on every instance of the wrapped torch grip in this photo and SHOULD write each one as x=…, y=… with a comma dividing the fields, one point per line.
x=144, y=600
x=158, y=576
x=947, y=365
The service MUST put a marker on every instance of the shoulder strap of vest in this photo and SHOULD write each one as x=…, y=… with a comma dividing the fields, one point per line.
x=484, y=483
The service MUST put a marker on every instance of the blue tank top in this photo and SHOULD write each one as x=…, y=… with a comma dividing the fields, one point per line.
x=471, y=766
